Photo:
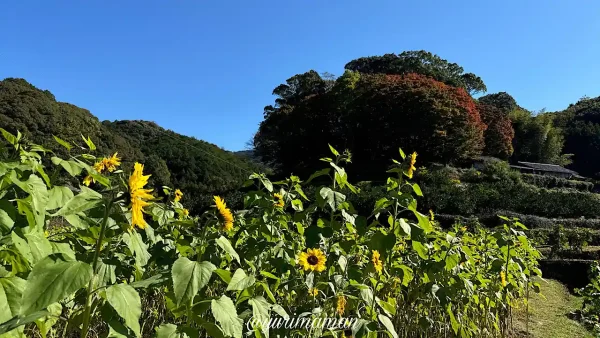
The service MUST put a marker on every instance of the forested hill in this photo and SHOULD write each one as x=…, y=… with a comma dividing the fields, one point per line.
x=198, y=168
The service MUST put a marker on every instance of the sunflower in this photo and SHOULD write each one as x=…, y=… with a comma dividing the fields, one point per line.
x=185, y=212
x=225, y=213
x=100, y=166
x=313, y=292
x=139, y=195
x=111, y=163
x=411, y=165
x=88, y=180
x=178, y=195
x=503, y=278
x=341, y=305
x=377, y=263
x=279, y=198
x=312, y=259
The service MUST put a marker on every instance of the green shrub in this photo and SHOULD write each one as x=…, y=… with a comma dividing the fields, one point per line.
x=546, y=181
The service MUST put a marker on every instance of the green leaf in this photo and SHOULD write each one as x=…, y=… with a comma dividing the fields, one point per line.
x=89, y=142
x=420, y=249
x=137, y=246
x=167, y=331
x=22, y=246
x=63, y=142
x=224, y=244
x=12, y=139
x=39, y=245
x=53, y=279
x=333, y=151
x=404, y=226
x=20, y=321
x=189, y=277
x=333, y=198
x=453, y=322
x=83, y=201
x=387, y=322
x=126, y=301
x=417, y=189
x=154, y=280
x=11, y=290
x=261, y=311
x=6, y=221
x=240, y=281
x=73, y=168
x=45, y=324
x=316, y=174
x=58, y=196
x=224, y=312
x=225, y=275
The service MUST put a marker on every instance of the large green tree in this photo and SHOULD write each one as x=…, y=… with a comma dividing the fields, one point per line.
x=372, y=115
x=420, y=62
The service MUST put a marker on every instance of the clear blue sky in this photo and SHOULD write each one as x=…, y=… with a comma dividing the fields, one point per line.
x=207, y=68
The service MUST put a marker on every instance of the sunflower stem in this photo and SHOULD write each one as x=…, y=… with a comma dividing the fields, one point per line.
x=88, y=307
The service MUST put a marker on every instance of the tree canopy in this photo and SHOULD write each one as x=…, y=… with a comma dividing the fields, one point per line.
x=420, y=62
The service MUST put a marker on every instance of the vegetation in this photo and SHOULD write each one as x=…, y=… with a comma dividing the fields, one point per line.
x=590, y=309
x=198, y=168
x=76, y=260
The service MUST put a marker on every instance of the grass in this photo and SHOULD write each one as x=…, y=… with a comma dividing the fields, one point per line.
x=548, y=314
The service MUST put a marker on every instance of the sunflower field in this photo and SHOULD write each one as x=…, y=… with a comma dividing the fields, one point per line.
x=103, y=255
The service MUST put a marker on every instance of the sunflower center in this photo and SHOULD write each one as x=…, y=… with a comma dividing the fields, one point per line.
x=312, y=260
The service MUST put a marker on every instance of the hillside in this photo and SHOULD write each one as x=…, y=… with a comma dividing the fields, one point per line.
x=198, y=168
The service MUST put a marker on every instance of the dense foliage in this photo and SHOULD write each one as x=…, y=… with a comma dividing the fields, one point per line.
x=366, y=113
x=196, y=167
x=590, y=309
x=419, y=62
x=499, y=133
x=81, y=261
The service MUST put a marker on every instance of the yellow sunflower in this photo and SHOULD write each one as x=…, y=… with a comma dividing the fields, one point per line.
x=88, y=180
x=313, y=292
x=312, y=259
x=503, y=278
x=178, y=195
x=226, y=215
x=341, y=305
x=139, y=195
x=279, y=198
x=99, y=166
x=112, y=163
x=377, y=263
x=411, y=165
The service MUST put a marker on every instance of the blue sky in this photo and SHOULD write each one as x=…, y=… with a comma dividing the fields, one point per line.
x=207, y=68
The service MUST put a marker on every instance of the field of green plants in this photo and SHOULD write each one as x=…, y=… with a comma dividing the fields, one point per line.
x=103, y=255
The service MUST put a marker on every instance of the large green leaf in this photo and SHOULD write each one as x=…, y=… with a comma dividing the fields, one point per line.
x=7, y=221
x=189, y=277
x=39, y=245
x=81, y=202
x=387, y=322
x=53, y=279
x=224, y=244
x=240, y=281
x=58, y=196
x=224, y=312
x=261, y=311
x=72, y=167
x=333, y=198
x=11, y=291
x=20, y=321
x=136, y=244
x=126, y=301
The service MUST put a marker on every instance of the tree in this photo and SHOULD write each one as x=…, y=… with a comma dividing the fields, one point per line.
x=499, y=133
x=372, y=115
x=420, y=62
x=502, y=101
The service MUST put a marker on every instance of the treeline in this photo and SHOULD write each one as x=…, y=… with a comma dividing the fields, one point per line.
x=198, y=168
x=419, y=101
